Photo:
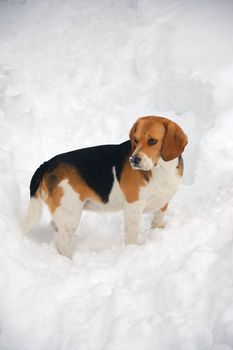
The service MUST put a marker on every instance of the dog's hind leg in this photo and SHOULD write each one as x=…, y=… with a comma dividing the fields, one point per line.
x=132, y=216
x=66, y=218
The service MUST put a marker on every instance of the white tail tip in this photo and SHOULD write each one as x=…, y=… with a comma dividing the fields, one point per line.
x=33, y=214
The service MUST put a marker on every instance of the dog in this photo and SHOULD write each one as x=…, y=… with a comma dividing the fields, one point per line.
x=139, y=175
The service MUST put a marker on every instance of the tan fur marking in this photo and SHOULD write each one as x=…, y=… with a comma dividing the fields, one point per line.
x=52, y=198
x=164, y=208
x=37, y=194
x=85, y=192
x=131, y=180
x=53, y=192
x=180, y=166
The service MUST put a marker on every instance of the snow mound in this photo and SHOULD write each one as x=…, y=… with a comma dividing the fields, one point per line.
x=76, y=74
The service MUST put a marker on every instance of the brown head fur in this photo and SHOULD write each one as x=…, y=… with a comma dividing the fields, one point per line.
x=170, y=140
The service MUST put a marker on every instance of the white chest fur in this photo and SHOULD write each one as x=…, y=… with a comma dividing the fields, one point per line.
x=160, y=189
x=163, y=184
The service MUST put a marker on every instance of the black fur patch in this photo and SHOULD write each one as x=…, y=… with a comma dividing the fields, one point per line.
x=94, y=164
x=37, y=178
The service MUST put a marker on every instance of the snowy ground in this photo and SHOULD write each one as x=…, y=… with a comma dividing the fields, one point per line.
x=78, y=73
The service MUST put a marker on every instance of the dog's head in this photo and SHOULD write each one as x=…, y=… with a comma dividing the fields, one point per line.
x=155, y=137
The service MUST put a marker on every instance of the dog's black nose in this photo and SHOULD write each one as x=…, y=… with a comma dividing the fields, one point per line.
x=135, y=160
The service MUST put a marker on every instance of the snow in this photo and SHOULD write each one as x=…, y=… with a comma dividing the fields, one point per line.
x=76, y=74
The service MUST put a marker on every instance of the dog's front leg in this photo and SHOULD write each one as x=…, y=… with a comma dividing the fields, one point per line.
x=132, y=216
x=158, y=219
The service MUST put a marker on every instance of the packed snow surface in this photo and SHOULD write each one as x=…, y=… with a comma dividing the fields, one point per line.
x=78, y=73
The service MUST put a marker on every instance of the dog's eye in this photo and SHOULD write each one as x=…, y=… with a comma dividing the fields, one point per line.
x=135, y=140
x=152, y=142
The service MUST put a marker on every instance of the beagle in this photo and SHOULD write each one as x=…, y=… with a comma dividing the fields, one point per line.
x=139, y=175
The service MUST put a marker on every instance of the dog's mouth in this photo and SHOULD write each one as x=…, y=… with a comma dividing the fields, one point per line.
x=136, y=167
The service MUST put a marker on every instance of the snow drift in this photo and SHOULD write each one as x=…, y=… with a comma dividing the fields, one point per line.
x=76, y=74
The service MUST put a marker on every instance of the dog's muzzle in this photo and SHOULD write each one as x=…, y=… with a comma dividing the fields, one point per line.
x=135, y=161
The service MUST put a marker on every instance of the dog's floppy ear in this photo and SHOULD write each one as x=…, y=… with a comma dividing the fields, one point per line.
x=131, y=134
x=174, y=141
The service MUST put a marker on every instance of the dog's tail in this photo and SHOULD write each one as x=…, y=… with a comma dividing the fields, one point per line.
x=35, y=203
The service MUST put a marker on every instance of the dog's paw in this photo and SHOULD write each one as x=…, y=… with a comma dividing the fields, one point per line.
x=157, y=224
x=65, y=251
